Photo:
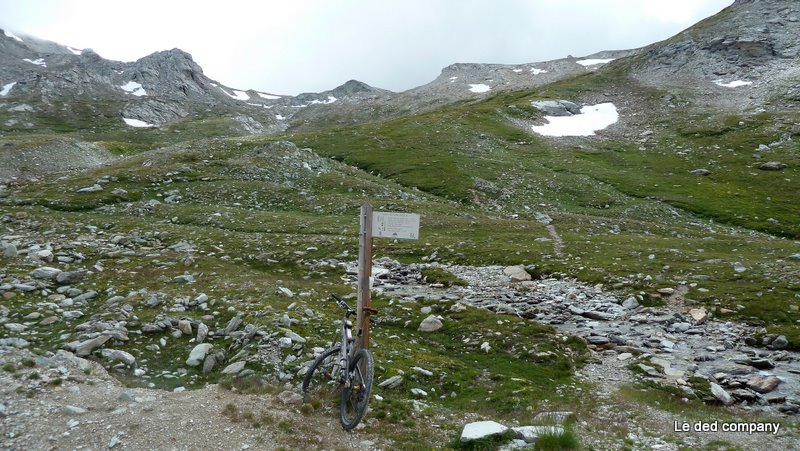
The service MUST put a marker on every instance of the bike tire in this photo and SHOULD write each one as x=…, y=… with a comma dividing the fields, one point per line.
x=324, y=370
x=353, y=404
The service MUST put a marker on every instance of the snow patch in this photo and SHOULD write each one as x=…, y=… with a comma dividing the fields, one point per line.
x=7, y=88
x=279, y=117
x=12, y=35
x=268, y=96
x=592, y=62
x=329, y=100
x=453, y=79
x=536, y=71
x=137, y=123
x=38, y=62
x=591, y=119
x=74, y=50
x=238, y=95
x=732, y=84
x=516, y=70
x=134, y=88
x=479, y=88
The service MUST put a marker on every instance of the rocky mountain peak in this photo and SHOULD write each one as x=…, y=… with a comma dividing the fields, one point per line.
x=352, y=87
x=750, y=41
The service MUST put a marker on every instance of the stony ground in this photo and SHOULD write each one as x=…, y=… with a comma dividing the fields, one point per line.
x=89, y=409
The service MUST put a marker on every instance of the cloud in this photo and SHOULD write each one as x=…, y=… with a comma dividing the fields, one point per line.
x=289, y=47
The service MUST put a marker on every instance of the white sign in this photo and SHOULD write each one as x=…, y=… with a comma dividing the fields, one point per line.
x=401, y=226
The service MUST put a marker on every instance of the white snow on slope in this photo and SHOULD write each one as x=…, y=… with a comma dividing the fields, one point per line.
x=591, y=119
x=12, y=35
x=38, y=62
x=516, y=70
x=268, y=96
x=733, y=84
x=137, y=123
x=453, y=79
x=479, y=88
x=7, y=88
x=536, y=71
x=74, y=50
x=238, y=95
x=134, y=88
x=329, y=100
x=592, y=62
x=279, y=117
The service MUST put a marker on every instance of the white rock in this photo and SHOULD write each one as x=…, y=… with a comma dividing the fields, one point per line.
x=699, y=315
x=430, y=324
x=234, y=368
x=481, y=429
x=115, y=355
x=517, y=273
x=73, y=410
x=46, y=272
x=185, y=326
x=422, y=371
x=198, y=354
x=419, y=392
x=722, y=395
x=392, y=382
x=15, y=327
x=202, y=332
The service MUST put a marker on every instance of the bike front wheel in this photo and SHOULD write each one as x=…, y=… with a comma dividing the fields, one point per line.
x=324, y=375
x=355, y=397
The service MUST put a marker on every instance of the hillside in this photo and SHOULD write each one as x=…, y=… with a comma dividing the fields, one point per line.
x=661, y=246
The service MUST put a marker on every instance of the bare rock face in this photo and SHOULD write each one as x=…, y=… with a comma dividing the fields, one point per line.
x=750, y=41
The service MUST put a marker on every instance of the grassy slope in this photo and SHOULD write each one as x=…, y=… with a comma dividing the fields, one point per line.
x=471, y=173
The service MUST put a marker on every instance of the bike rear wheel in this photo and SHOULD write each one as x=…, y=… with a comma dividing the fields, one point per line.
x=356, y=397
x=324, y=375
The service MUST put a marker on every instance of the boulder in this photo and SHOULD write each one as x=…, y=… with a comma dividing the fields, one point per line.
x=198, y=354
x=699, y=315
x=185, y=326
x=481, y=429
x=46, y=272
x=392, y=382
x=85, y=348
x=557, y=107
x=517, y=273
x=115, y=355
x=9, y=250
x=430, y=324
x=234, y=368
x=772, y=166
x=630, y=303
x=202, y=332
x=763, y=384
x=722, y=396
x=70, y=277
x=780, y=342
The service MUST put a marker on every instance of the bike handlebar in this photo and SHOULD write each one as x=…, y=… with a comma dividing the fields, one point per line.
x=341, y=303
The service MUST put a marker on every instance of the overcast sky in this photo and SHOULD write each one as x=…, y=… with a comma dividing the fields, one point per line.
x=293, y=46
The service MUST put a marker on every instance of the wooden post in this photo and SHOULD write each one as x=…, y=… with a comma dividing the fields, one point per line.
x=364, y=276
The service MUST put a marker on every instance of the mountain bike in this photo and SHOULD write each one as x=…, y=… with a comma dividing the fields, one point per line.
x=326, y=375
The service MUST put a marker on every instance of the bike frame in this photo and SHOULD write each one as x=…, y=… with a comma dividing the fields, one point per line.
x=346, y=351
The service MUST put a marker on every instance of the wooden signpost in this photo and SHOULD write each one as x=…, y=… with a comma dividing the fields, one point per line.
x=401, y=226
